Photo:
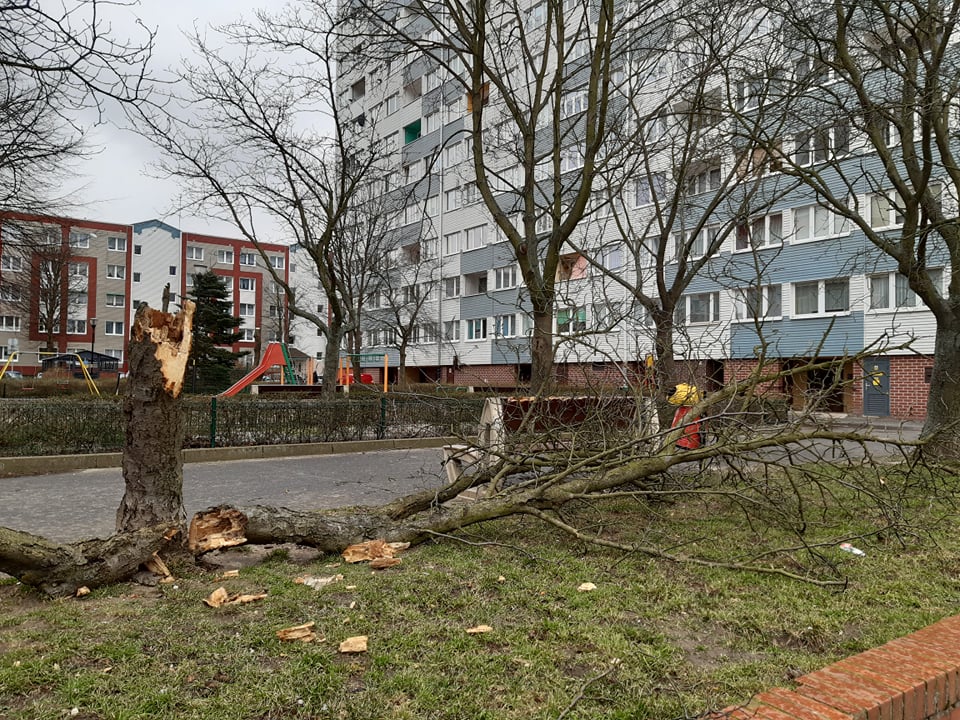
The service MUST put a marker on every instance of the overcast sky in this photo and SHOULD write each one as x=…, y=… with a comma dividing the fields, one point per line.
x=116, y=185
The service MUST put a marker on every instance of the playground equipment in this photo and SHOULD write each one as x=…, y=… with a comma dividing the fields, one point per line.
x=78, y=363
x=345, y=371
x=686, y=396
x=276, y=354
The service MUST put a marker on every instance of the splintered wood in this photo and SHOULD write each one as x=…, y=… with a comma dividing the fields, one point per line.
x=173, y=337
x=216, y=528
x=373, y=550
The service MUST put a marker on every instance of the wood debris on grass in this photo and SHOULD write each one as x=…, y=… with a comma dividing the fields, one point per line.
x=383, y=563
x=479, y=629
x=317, y=582
x=587, y=587
x=221, y=597
x=351, y=645
x=372, y=550
x=299, y=633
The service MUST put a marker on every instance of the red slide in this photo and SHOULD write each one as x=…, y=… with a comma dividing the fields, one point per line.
x=273, y=355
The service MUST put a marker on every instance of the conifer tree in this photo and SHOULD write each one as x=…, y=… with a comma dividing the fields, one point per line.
x=213, y=328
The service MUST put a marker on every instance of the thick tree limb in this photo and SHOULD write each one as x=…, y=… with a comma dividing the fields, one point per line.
x=59, y=570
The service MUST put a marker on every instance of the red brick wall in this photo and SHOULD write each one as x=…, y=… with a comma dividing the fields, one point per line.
x=908, y=389
x=486, y=376
x=916, y=677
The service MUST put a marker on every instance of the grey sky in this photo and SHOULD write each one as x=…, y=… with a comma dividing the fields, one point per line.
x=115, y=185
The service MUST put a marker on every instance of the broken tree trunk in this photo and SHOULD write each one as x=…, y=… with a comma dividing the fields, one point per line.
x=152, y=462
x=60, y=570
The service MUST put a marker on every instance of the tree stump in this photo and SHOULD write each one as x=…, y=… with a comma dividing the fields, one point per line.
x=152, y=462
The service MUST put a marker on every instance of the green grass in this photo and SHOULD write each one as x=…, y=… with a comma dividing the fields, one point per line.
x=687, y=638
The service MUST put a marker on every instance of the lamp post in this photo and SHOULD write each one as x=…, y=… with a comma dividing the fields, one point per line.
x=93, y=336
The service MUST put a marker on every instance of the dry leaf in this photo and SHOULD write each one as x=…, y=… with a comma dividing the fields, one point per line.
x=317, y=582
x=479, y=629
x=586, y=587
x=302, y=633
x=381, y=563
x=81, y=591
x=217, y=598
x=356, y=644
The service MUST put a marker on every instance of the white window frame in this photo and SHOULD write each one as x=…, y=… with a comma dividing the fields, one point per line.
x=821, y=287
x=113, y=327
x=277, y=262
x=115, y=272
x=250, y=283
x=115, y=300
x=758, y=232
x=476, y=329
x=225, y=257
x=246, y=310
x=746, y=304
x=116, y=243
x=248, y=259
x=451, y=286
x=685, y=306
x=505, y=277
x=194, y=252
x=829, y=221
x=505, y=326
x=474, y=238
x=10, y=323
x=79, y=239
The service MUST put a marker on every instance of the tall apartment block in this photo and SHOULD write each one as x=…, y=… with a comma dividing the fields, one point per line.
x=93, y=275
x=790, y=276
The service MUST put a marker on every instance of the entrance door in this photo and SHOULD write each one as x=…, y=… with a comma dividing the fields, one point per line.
x=876, y=386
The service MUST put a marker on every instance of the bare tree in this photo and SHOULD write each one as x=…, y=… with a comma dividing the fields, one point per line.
x=42, y=279
x=868, y=95
x=55, y=61
x=260, y=136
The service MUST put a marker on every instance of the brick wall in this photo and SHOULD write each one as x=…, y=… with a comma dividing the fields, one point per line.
x=916, y=677
x=908, y=386
x=486, y=376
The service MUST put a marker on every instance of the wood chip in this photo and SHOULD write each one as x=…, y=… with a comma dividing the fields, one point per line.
x=81, y=591
x=587, y=587
x=382, y=563
x=357, y=644
x=221, y=597
x=300, y=633
x=216, y=528
x=370, y=550
x=228, y=574
x=317, y=582
x=479, y=629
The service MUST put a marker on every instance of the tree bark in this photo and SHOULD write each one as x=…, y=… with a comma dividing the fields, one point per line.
x=941, y=430
x=152, y=463
x=59, y=570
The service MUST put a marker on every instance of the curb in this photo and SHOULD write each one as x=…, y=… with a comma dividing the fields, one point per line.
x=50, y=464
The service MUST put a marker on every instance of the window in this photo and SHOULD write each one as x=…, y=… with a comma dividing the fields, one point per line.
x=613, y=256
x=11, y=263
x=760, y=232
x=475, y=283
x=116, y=272
x=118, y=354
x=392, y=103
x=469, y=193
x=225, y=257
x=822, y=144
x=885, y=210
x=648, y=189
x=173, y=270
x=451, y=287
x=76, y=327
x=814, y=222
x=249, y=334
x=571, y=158
x=821, y=296
x=431, y=123
x=137, y=250
x=248, y=283
x=475, y=237
x=194, y=252
x=451, y=199
x=477, y=329
x=358, y=89
x=10, y=294
x=433, y=206
x=759, y=302
x=749, y=92
x=702, y=182
x=699, y=244
x=9, y=323
x=113, y=327
x=79, y=240
x=571, y=320
x=117, y=244
x=248, y=258
x=411, y=132
x=79, y=270
x=136, y=277
x=811, y=70
x=903, y=296
x=537, y=16
x=115, y=300
x=277, y=262
x=505, y=277
x=454, y=154
x=573, y=103
x=451, y=330
x=246, y=310
x=655, y=129
x=698, y=308
x=505, y=326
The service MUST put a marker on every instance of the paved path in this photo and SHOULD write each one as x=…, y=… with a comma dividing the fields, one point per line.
x=83, y=504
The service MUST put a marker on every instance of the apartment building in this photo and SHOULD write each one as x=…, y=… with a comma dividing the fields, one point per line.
x=781, y=275
x=90, y=276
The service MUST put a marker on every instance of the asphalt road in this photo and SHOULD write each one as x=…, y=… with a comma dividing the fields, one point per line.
x=83, y=504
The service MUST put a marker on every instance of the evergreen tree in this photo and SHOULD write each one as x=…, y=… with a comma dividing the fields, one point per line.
x=213, y=327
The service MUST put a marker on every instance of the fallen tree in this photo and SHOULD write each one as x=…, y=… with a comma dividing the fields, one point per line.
x=793, y=474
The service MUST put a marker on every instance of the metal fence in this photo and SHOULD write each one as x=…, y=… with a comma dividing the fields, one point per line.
x=41, y=426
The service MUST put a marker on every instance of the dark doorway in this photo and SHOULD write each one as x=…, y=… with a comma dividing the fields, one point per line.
x=876, y=386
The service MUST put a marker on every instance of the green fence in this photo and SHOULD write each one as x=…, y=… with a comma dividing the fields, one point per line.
x=41, y=426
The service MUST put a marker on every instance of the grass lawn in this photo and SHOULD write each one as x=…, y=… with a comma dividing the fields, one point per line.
x=655, y=639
